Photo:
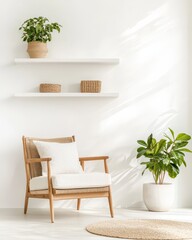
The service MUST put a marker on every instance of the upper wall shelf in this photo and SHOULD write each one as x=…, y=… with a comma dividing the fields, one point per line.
x=67, y=60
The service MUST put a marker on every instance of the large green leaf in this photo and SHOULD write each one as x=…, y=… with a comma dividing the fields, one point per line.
x=156, y=148
x=141, y=142
x=184, y=163
x=149, y=139
x=162, y=144
x=183, y=137
x=179, y=153
x=173, y=170
x=140, y=149
x=180, y=144
x=172, y=133
x=144, y=163
x=153, y=143
x=141, y=153
x=185, y=150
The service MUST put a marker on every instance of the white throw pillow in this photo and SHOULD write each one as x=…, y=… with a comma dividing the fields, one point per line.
x=64, y=157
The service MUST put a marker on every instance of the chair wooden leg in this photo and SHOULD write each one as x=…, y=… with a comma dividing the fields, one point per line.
x=110, y=203
x=26, y=204
x=78, y=203
x=51, y=207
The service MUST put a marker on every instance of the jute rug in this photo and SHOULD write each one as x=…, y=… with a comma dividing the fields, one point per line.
x=142, y=229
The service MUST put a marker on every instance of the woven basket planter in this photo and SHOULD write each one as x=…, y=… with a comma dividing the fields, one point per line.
x=37, y=49
x=52, y=88
x=91, y=86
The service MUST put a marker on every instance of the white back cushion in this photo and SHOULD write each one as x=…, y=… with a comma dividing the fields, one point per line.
x=64, y=156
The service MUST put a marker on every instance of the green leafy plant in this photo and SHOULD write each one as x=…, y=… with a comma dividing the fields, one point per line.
x=38, y=29
x=165, y=156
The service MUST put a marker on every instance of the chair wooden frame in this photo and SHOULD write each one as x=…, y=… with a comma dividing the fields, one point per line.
x=54, y=194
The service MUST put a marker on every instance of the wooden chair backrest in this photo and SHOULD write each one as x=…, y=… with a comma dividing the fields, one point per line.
x=30, y=151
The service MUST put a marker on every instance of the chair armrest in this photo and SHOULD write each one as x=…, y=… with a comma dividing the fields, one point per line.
x=82, y=159
x=35, y=160
x=104, y=158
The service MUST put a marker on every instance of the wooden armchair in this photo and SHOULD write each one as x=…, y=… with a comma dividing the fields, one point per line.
x=34, y=173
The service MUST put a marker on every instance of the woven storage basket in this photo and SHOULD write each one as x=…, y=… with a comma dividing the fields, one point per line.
x=91, y=86
x=47, y=87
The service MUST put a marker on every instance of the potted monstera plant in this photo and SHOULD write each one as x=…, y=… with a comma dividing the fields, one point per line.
x=165, y=156
x=37, y=32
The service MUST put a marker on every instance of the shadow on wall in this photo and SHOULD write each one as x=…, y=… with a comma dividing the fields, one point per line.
x=147, y=103
x=147, y=31
x=147, y=100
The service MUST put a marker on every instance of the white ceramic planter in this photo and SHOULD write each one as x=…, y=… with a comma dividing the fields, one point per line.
x=158, y=197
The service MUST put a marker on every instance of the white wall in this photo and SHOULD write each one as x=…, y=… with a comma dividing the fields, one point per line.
x=150, y=37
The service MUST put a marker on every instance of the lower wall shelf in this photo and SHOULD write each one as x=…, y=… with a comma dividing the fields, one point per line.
x=100, y=95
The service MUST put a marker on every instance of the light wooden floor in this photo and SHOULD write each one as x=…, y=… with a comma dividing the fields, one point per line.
x=70, y=224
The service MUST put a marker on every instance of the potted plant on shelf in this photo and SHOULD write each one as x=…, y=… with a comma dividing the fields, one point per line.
x=165, y=156
x=37, y=32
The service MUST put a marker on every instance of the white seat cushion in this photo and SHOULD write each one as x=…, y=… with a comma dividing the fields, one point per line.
x=84, y=180
x=64, y=156
x=38, y=183
x=71, y=181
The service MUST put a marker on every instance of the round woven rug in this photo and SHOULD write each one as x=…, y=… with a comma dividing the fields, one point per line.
x=142, y=229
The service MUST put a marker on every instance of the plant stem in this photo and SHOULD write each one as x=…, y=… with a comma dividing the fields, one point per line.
x=154, y=178
x=163, y=176
x=160, y=179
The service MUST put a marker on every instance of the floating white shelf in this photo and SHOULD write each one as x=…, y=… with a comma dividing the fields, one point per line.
x=67, y=60
x=99, y=95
